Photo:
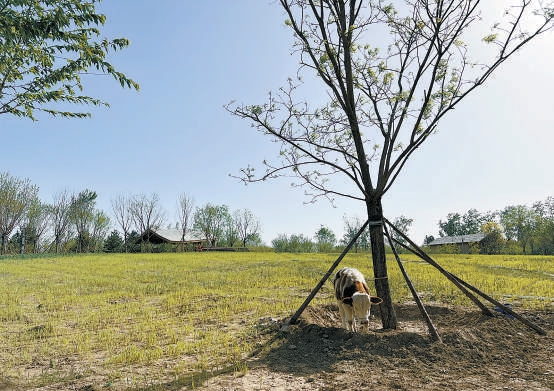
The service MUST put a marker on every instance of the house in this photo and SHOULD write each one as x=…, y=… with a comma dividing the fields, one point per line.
x=193, y=239
x=463, y=242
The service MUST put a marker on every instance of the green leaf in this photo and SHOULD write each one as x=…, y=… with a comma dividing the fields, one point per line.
x=45, y=48
x=490, y=38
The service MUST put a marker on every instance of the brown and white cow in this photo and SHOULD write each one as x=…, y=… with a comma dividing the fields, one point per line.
x=353, y=297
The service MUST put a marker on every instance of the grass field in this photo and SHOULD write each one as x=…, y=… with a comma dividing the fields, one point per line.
x=132, y=321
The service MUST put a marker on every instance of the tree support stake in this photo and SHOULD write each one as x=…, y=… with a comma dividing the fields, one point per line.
x=447, y=274
x=538, y=329
x=430, y=326
x=415, y=249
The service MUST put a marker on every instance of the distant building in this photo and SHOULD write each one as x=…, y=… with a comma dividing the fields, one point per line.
x=193, y=239
x=463, y=242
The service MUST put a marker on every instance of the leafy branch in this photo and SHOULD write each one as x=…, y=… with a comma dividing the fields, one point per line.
x=384, y=100
x=45, y=49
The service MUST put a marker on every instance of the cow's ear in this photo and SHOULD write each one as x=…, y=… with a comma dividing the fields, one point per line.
x=375, y=300
x=347, y=300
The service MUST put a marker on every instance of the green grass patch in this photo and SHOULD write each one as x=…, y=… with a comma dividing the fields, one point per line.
x=178, y=315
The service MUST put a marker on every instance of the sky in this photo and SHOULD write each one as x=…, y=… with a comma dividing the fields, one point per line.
x=174, y=136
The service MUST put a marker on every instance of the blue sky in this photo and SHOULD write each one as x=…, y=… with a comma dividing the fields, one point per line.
x=174, y=136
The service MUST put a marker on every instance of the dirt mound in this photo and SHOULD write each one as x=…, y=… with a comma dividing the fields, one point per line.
x=478, y=352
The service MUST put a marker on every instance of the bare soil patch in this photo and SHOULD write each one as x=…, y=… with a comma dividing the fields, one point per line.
x=478, y=352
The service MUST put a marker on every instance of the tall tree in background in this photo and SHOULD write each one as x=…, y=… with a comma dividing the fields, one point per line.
x=325, y=239
x=403, y=224
x=518, y=224
x=81, y=215
x=185, y=205
x=212, y=220
x=469, y=223
x=147, y=212
x=61, y=222
x=98, y=230
x=121, y=209
x=37, y=221
x=246, y=224
x=351, y=228
x=16, y=196
x=230, y=233
x=473, y=221
x=46, y=48
x=452, y=226
x=392, y=71
x=543, y=238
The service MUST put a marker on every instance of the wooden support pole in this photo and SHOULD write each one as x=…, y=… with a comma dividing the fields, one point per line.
x=419, y=252
x=538, y=329
x=430, y=326
x=297, y=314
x=447, y=274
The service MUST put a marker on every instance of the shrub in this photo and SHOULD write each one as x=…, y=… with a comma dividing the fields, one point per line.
x=113, y=243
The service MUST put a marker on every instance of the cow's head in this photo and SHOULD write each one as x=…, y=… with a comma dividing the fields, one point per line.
x=362, y=306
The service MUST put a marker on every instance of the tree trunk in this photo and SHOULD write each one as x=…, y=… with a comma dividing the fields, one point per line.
x=22, y=244
x=377, y=237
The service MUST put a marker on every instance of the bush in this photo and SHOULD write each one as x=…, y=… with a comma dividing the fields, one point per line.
x=512, y=247
x=293, y=244
x=493, y=243
x=113, y=243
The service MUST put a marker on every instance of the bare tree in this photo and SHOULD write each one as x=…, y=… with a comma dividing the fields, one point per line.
x=230, y=233
x=246, y=225
x=16, y=196
x=392, y=71
x=61, y=222
x=121, y=208
x=146, y=212
x=185, y=205
x=351, y=227
x=98, y=230
x=403, y=223
x=37, y=221
x=81, y=214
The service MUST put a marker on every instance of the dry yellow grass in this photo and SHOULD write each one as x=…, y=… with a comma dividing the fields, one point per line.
x=135, y=320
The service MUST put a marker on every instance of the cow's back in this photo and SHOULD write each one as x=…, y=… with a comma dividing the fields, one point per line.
x=349, y=281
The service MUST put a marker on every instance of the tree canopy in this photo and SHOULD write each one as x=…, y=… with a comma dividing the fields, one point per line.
x=212, y=220
x=46, y=47
x=392, y=71
x=466, y=224
x=16, y=197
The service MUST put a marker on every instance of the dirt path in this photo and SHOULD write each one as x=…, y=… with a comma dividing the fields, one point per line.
x=478, y=353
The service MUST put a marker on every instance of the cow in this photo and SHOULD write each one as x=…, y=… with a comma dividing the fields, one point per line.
x=353, y=298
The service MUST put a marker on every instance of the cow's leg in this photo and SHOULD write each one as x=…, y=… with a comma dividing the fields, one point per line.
x=349, y=311
x=342, y=314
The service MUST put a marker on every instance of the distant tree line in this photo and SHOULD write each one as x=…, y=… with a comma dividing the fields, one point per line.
x=215, y=223
x=516, y=229
x=72, y=222
x=325, y=240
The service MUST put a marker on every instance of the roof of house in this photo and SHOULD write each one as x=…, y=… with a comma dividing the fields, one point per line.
x=175, y=235
x=472, y=238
